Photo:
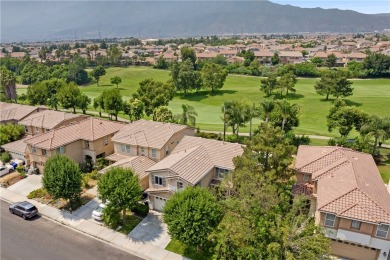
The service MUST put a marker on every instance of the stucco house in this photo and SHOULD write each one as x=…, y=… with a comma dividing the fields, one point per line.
x=195, y=161
x=348, y=198
x=90, y=137
x=44, y=121
x=11, y=113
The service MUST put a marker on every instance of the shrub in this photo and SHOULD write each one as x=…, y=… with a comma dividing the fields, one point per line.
x=20, y=169
x=141, y=210
x=101, y=163
x=111, y=216
x=86, y=178
x=94, y=175
x=5, y=157
x=39, y=193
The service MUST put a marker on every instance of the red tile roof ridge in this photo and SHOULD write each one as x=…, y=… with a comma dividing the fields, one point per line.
x=339, y=197
x=322, y=157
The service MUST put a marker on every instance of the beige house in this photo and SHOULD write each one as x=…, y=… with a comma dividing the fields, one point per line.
x=90, y=137
x=154, y=140
x=194, y=162
x=264, y=57
x=290, y=57
x=348, y=198
x=17, y=149
x=11, y=113
x=138, y=164
x=44, y=121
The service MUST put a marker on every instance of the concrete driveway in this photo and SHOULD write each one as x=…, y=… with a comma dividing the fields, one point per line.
x=27, y=185
x=151, y=230
x=85, y=212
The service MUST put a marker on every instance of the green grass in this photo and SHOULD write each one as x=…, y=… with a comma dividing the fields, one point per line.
x=131, y=222
x=369, y=95
x=385, y=172
x=178, y=248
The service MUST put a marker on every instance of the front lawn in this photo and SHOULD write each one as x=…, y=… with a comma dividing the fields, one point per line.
x=190, y=252
x=131, y=222
x=385, y=172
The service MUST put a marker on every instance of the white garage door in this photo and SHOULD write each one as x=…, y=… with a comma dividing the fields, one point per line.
x=159, y=203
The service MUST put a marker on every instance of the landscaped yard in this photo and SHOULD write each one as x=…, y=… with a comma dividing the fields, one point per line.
x=369, y=95
x=177, y=247
x=131, y=222
x=385, y=172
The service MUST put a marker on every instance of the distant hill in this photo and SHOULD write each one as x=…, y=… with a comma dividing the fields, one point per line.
x=52, y=20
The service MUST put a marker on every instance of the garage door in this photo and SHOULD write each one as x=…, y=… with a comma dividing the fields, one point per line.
x=351, y=251
x=159, y=203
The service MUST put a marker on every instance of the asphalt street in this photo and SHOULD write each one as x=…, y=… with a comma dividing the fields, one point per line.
x=40, y=238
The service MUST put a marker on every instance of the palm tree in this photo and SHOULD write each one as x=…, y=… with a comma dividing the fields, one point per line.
x=188, y=116
x=267, y=105
x=376, y=127
x=253, y=113
x=287, y=111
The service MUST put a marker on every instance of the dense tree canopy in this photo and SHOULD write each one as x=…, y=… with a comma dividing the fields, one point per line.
x=213, y=76
x=68, y=96
x=113, y=102
x=10, y=133
x=334, y=83
x=154, y=94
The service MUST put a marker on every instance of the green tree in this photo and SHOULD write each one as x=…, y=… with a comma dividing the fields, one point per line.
x=98, y=102
x=275, y=59
x=161, y=63
x=113, y=102
x=377, y=65
x=114, y=55
x=269, y=84
x=53, y=102
x=376, y=127
x=121, y=188
x=287, y=82
x=68, y=95
x=260, y=220
x=187, y=117
x=213, y=76
x=116, y=80
x=317, y=61
x=334, y=83
x=236, y=114
x=331, y=60
x=188, y=53
x=37, y=94
x=191, y=216
x=345, y=118
x=62, y=178
x=83, y=102
x=162, y=114
x=154, y=94
x=185, y=77
x=10, y=133
x=7, y=82
x=97, y=72
x=267, y=106
x=287, y=111
x=134, y=109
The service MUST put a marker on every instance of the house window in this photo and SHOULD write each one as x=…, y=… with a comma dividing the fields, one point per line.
x=355, y=224
x=33, y=150
x=154, y=154
x=142, y=150
x=123, y=147
x=44, y=152
x=329, y=220
x=127, y=148
x=36, y=129
x=179, y=185
x=60, y=149
x=158, y=180
x=26, y=129
x=382, y=231
x=86, y=144
x=105, y=140
x=221, y=173
x=305, y=177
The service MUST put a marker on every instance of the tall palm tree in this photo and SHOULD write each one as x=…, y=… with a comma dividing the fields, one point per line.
x=287, y=111
x=253, y=113
x=188, y=116
x=267, y=105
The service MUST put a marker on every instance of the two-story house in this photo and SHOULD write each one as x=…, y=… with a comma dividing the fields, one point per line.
x=290, y=57
x=11, y=113
x=47, y=120
x=88, y=138
x=152, y=139
x=348, y=199
x=194, y=161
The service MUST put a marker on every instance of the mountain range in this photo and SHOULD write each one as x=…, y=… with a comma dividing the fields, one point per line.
x=60, y=20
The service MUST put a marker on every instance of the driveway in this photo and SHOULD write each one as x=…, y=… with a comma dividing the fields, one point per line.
x=85, y=212
x=151, y=230
x=27, y=185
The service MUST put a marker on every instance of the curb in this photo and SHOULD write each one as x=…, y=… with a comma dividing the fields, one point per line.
x=135, y=253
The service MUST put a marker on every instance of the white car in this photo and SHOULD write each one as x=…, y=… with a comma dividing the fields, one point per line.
x=4, y=170
x=97, y=214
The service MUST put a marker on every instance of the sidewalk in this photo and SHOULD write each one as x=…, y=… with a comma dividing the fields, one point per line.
x=119, y=240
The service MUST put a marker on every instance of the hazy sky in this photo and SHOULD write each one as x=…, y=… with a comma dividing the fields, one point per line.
x=367, y=6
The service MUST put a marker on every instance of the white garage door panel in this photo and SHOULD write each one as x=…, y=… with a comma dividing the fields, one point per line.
x=159, y=203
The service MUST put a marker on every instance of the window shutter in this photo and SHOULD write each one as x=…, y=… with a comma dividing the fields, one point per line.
x=153, y=180
x=163, y=181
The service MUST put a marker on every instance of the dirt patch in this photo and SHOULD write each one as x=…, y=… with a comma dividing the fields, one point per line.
x=10, y=179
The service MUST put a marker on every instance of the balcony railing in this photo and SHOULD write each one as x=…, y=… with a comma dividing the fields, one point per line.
x=306, y=189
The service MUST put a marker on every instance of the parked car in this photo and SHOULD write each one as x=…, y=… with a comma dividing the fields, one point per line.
x=24, y=209
x=97, y=214
x=3, y=170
